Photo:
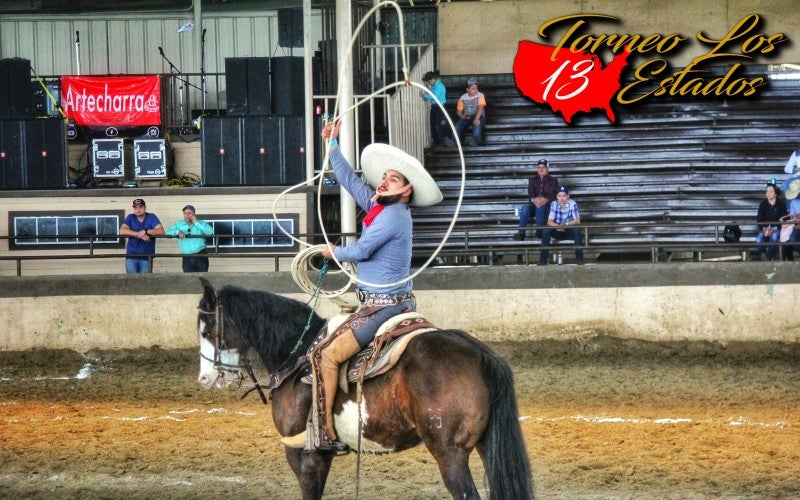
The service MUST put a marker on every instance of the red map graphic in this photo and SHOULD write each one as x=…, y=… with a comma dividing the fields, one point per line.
x=573, y=82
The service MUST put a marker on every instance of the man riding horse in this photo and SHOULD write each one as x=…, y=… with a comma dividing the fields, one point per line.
x=392, y=181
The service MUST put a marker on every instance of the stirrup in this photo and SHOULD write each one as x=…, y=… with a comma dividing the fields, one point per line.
x=336, y=446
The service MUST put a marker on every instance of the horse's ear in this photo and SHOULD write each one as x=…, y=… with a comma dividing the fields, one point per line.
x=208, y=290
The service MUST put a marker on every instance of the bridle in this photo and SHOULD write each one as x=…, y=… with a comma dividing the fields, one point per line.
x=224, y=367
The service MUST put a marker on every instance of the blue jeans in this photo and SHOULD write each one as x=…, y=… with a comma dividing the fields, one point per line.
x=365, y=327
x=540, y=215
x=197, y=264
x=774, y=238
x=137, y=265
x=437, y=127
x=794, y=239
x=477, y=130
x=573, y=234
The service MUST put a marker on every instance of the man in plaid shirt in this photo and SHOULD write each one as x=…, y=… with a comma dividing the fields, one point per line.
x=563, y=215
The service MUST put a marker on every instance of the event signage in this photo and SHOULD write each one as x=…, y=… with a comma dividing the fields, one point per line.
x=570, y=78
x=118, y=101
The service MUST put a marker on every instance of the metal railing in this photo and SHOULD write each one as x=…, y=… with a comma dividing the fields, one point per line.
x=479, y=244
x=491, y=242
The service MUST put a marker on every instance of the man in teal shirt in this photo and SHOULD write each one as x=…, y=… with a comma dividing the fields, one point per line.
x=192, y=246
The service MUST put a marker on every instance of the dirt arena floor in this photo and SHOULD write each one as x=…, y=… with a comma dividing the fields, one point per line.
x=602, y=417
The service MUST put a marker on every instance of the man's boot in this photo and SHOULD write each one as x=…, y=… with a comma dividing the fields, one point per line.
x=325, y=363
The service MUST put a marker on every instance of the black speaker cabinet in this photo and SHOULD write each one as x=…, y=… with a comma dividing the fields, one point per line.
x=247, y=85
x=261, y=148
x=12, y=154
x=294, y=149
x=288, y=91
x=236, y=85
x=222, y=151
x=290, y=27
x=258, y=87
x=33, y=154
x=16, y=98
x=46, y=153
x=274, y=150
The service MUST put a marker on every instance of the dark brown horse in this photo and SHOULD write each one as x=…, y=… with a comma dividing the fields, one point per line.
x=448, y=391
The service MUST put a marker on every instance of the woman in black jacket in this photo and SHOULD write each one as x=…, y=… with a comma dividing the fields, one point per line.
x=770, y=212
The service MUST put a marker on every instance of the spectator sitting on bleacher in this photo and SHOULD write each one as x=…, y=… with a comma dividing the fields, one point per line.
x=563, y=213
x=794, y=213
x=791, y=169
x=770, y=211
x=792, y=164
x=541, y=193
x=471, y=111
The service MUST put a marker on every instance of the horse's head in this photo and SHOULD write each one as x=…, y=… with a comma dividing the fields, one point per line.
x=221, y=344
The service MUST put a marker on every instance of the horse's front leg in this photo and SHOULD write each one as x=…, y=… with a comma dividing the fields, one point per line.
x=311, y=470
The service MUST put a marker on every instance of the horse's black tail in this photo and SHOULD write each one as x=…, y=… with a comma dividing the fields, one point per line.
x=508, y=470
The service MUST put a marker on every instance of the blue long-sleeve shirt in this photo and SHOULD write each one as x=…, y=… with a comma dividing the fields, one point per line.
x=439, y=91
x=383, y=252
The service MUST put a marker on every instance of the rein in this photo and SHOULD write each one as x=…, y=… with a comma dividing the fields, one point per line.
x=313, y=300
x=217, y=361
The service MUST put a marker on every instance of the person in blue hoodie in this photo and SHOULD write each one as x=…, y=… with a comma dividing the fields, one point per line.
x=437, y=118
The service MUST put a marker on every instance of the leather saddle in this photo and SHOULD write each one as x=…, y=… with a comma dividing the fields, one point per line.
x=375, y=359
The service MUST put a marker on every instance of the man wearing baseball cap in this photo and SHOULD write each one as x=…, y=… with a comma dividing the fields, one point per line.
x=541, y=193
x=392, y=182
x=563, y=215
x=188, y=230
x=140, y=227
x=471, y=113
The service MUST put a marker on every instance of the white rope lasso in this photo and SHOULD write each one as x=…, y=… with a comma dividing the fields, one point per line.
x=302, y=262
x=302, y=259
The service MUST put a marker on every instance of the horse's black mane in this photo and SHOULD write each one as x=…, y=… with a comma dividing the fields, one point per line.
x=269, y=323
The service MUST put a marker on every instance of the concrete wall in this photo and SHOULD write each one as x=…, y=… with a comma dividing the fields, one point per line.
x=482, y=37
x=722, y=302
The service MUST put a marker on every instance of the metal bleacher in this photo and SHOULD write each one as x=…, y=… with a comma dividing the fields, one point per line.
x=672, y=170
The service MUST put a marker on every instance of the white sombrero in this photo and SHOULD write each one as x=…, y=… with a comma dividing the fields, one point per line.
x=377, y=158
x=793, y=190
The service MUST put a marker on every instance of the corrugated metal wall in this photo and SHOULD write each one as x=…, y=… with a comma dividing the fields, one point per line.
x=125, y=45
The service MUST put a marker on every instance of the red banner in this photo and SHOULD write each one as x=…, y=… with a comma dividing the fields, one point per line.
x=119, y=101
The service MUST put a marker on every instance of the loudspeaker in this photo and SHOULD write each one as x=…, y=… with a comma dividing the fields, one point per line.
x=236, y=85
x=12, y=154
x=290, y=27
x=247, y=85
x=288, y=91
x=258, y=91
x=261, y=148
x=16, y=99
x=274, y=150
x=33, y=154
x=221, y=151
x=46, y=153
x=293, y=140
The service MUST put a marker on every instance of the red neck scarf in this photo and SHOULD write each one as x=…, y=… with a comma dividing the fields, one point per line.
x=373, y=212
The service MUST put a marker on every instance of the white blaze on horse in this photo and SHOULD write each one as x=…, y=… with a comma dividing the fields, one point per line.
x=447, y=390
